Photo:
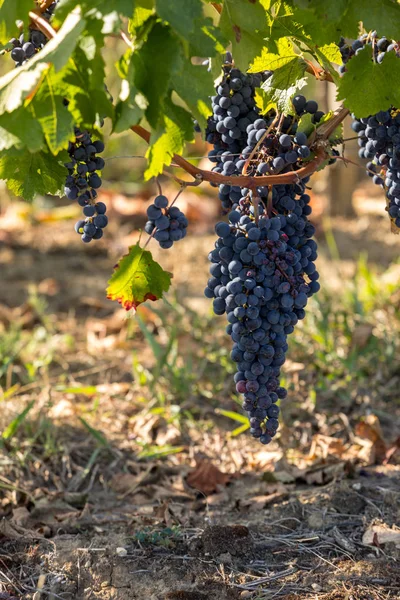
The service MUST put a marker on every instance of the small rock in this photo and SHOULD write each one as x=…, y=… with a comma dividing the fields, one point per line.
x=121, y=552
x=316, y=587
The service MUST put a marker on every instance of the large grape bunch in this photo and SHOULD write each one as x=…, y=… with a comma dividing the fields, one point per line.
x=25, y=47
x=379, y=134
x=166, y=224
x=82, y=183
x=263, y=264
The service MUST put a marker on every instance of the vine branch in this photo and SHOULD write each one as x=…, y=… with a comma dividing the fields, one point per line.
x=321, y=154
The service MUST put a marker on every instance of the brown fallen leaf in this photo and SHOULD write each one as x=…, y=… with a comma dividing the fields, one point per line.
x=325, y=445
x=392, y=450
x=206, y=477
x=14, y=532
x=378, y=535
x=166, y=515
x=369, y=429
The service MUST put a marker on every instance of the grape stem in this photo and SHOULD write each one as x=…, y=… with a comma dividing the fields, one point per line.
x=182, y=181
x=42, y=25
x=126, y=39
x=321, y=154
x=255, y=149
x=159, y=186
x=319, y=73
x=45, y=5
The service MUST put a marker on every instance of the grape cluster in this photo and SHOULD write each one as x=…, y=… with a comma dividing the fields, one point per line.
x=262, y=275
x=170, y=223
x=379, y=134
x=263, y=264
x=379, y=48
x=24, y=48
x=82, y=182
x=379, y=141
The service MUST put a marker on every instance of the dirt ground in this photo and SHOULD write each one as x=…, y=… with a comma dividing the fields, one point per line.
x=107, y=494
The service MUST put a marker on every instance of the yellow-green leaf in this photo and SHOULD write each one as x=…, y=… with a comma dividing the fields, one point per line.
x=137, y=278
x=331, y=52
x=270, y=60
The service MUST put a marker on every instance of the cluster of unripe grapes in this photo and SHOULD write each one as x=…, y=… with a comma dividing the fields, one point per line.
x=166, y=224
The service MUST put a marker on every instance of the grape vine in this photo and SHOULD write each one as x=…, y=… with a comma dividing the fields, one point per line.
x=267, y=140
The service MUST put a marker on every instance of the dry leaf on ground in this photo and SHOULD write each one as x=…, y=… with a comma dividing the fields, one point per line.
x=206, y=477
x=378, y=535
x=369, y=429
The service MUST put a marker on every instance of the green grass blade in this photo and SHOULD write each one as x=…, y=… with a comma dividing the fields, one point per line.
x=88, y=390
x=13, y=427
x=99, y=437
x=151, y=340
x=159, y=451
x=240, y=429
x=231, y=414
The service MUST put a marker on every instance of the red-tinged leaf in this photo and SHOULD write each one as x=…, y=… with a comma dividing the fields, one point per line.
x=137, y=278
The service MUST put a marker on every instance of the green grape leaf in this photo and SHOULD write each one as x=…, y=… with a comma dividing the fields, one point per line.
x=284, y=83
x=195, y=85
x=137, y=278
x=187, y=19
x=55, y=119
x=182, y=15
x=131, y=105
x=141, y=23
x=263, y=101
x=383, y=16
x=91, y=7
x=306, y=125
x=337, y=134
x=170, y=140
x=29, y=174
x=10, y=12
x=331, y=53
x=20, y=129
x=271, y=61
x=154, y=64
x=245, y=25
x=20, y=84
x=368, y=87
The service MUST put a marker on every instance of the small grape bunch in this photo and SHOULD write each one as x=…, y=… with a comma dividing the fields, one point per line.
x=82, y=183
x=23, y=48
x=170, y=224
